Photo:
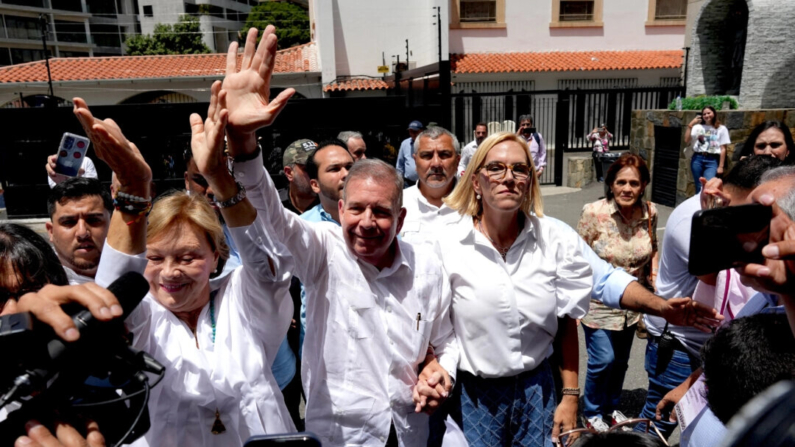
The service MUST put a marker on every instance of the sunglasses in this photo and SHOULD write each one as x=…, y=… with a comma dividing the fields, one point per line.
x=569, y=438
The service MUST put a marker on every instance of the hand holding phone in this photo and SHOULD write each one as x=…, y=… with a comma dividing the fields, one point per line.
x=719, y=237
x=71, y=153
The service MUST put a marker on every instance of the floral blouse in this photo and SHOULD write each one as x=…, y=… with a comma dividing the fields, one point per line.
x=629, y=245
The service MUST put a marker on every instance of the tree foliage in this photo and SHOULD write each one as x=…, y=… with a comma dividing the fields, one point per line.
x=184, y=37
x=291, y=22
x=699, y=102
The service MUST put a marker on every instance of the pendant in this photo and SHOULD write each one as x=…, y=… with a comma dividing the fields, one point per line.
x=218, y=426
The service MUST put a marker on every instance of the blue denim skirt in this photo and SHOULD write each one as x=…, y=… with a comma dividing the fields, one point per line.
x=504, y=411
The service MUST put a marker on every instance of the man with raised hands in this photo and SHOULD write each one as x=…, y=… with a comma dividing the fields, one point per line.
x=374, y=304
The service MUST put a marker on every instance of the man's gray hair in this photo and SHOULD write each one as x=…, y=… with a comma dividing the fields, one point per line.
x=379, y=171
x=787, y=202
x=526, y=118
x=348, y=134
x=434, y=133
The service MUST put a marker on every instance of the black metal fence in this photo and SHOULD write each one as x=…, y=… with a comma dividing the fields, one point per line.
x=565, y=129
x=160, y=130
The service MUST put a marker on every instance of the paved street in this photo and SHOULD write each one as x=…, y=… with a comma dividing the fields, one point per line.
x=566, y=205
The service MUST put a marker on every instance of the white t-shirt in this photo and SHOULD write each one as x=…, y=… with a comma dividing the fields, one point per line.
x=707, y=139
x=673, y=279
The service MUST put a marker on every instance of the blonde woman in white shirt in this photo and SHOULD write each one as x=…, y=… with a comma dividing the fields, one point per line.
x=218, y=340
x=517, y=280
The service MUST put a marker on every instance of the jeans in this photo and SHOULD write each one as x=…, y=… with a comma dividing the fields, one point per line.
x=597, y=162
x=608, y=356
x=703, y=165
x=662, y=379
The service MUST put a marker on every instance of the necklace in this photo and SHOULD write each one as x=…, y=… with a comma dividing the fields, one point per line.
x=212, y=314
x=218, y=426
x=502, y=251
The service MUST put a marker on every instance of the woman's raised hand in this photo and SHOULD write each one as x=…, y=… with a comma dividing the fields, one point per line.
x=207, y=138
x=112, y=147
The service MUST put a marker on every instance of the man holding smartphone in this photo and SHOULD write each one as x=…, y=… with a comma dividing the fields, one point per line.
x=538, y=149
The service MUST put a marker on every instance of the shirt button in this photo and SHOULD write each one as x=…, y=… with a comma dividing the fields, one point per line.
x=392, y=343
x=240, y=174
x=259, y=241
x=382, y=439
x=389, y=309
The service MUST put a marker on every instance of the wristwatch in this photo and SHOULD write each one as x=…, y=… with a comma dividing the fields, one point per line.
x=234, y=200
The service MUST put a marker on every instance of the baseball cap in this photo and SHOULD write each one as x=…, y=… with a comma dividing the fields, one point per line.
x=298, y=151
x=415, y=125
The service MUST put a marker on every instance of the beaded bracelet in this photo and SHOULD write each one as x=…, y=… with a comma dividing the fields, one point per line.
x=570, y=391
x=130, y=197
x=134, y=207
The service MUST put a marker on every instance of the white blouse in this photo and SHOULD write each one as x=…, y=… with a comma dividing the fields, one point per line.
x=505, y=312
x=253, y=310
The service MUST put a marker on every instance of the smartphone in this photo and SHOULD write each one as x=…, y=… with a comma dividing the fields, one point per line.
x=288, y=440
x=70, y=154
x=718, y=237
x=700, y=117
x=528, y=131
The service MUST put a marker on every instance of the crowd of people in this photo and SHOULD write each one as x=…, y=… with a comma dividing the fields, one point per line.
x=431, y=303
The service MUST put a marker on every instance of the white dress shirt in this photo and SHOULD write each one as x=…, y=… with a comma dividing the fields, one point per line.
x=232, y=375
x=505, y=312
x=466, y=155
x=423, y=219
x=75, y=279
x=367, y=330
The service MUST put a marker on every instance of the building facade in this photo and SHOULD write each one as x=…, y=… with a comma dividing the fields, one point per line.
x=75, y=28
x=220, y=20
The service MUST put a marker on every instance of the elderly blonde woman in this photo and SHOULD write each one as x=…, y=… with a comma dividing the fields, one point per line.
x=517, y=280
x=217, y=340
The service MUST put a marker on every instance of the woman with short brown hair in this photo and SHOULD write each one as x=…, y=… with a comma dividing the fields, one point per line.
x=621, y=229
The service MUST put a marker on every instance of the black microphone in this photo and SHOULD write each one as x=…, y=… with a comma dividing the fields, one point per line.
x=130, y=289
x=39, y=353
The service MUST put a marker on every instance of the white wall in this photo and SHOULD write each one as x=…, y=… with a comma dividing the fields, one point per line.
x=363, y=29
x=528, y=30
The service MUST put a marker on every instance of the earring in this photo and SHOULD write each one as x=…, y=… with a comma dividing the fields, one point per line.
x=477, y=196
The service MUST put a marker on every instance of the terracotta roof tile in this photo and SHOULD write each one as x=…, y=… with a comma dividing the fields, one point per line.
x=342, y=85
x=302, y=58
x=564, y=61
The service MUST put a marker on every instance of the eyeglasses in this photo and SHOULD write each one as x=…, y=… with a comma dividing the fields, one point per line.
x=497, y=170
x=569, y=438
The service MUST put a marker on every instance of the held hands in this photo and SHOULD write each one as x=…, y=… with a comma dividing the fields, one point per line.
x=113, y=148
x=248, y=90
x=687, y=312
x=433, y=386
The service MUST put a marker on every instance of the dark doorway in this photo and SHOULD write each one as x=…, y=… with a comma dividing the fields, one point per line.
x=722, y=31
x=666, y=165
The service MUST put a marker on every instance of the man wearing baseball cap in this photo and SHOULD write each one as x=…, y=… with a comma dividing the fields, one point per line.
x=405, y=162
x=300, y=196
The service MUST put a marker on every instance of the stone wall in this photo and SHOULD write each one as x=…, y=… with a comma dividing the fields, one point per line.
x=580, y=170
x=769, y=57
x=740, y=123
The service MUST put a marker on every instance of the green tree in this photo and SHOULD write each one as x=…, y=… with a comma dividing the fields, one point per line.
x=183, y=37
x=291, y=22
